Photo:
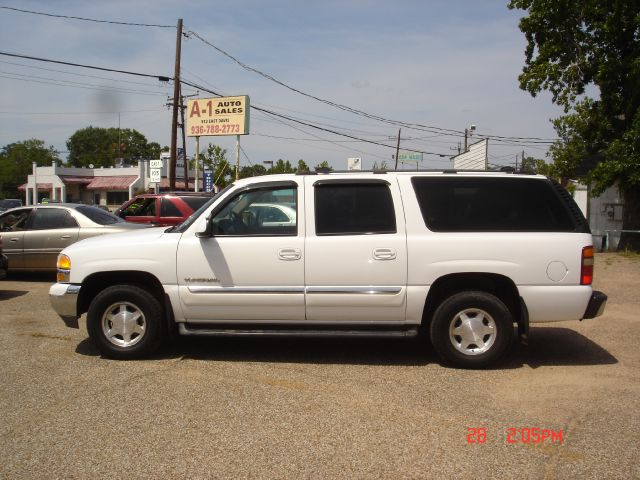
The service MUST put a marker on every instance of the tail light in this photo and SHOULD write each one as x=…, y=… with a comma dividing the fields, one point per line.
x=586, y=272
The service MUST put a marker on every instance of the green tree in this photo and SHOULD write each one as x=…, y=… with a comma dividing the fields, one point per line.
x=215, y=159
x=102, y=146
x=533, y=165
x=282, y=166
x=302, y=166
x=323, y=166
x=252, y=171
x=572, y=47
x=16, y=163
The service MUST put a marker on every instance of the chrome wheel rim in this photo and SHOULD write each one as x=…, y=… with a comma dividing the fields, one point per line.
x=472, y=331
x=123, y=324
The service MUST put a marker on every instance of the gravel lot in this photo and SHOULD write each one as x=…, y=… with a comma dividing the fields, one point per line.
x=212, y=408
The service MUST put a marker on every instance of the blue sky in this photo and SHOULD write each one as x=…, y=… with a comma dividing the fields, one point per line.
x=447, y=64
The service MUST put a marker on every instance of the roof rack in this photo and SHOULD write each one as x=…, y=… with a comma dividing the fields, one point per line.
x=326, y=170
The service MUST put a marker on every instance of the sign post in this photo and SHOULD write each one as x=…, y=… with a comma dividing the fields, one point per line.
x=155, y=172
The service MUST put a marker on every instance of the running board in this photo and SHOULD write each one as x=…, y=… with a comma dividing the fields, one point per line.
x=210, y=331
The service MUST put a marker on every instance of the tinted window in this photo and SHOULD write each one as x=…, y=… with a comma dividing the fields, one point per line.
x=354, y=209
x=243, y=213
x=491, y=205
x=168, y=209
x=52, y=218
x=195, y=202
x=98, y=215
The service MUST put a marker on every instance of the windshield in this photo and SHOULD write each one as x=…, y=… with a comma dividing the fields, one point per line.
x=192, y=218
x=98, y=215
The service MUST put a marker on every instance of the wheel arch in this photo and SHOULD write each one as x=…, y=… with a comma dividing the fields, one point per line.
x=498, y=285
x=95, y=283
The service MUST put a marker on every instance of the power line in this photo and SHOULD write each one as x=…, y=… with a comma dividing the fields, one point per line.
x=82, y=74
x=161, y=78
x=87, y=19
x=69, y=83
x=285, y=117
x=415, y=126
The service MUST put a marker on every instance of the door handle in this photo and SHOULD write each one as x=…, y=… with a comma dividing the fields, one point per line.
x=289, y=254
x=14, y=239
x=64, y=237
x=384, y=254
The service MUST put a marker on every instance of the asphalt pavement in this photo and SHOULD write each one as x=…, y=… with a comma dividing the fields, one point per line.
x=566, y=406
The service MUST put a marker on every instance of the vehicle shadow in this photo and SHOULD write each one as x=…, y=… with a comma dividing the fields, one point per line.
x=346, y=351
x=9, y=294
x=548, y=346
x=49, y=277
x=556, y=346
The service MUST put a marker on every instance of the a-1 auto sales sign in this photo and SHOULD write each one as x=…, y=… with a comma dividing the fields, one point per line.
x=218, y=116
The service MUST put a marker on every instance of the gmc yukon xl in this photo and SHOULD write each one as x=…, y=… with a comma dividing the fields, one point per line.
x=464, y=258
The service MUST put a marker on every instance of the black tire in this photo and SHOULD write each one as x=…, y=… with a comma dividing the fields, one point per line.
x=471, y=329
x=126, y=322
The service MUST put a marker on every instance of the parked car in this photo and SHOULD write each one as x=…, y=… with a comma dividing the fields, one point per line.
x=4, y=262
x=8, y=203
x=162, y=209
x=34, y=235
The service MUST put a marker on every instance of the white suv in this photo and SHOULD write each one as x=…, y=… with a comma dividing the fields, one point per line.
x=460, y=256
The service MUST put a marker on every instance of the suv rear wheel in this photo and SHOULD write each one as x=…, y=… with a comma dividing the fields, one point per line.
x=471, y=329
x=125, y=322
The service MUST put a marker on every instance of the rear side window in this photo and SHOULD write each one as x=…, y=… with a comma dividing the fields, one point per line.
x=168, y=209
x=195, y=202
x=52, y=218
x=354, y=209
x=459, y=204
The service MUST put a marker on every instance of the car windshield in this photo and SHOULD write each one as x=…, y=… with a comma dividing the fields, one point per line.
x=98, y=215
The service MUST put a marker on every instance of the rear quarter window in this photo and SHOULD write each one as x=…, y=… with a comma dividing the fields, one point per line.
x=480, y=204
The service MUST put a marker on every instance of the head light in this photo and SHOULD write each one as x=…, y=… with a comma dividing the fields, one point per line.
x=64, y=268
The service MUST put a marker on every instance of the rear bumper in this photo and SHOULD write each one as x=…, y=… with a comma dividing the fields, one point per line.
x=64, y=300
x=596, y=305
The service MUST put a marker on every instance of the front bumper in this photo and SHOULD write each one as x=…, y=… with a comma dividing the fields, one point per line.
x=596, y=305
x=64, y=300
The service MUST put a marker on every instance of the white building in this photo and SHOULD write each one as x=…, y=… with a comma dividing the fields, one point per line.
x=93, y=186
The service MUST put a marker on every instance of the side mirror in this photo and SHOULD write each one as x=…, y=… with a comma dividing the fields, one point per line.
x=208, y=231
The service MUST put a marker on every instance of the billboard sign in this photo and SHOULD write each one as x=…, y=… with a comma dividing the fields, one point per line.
x=218, y=116
x=409, y=157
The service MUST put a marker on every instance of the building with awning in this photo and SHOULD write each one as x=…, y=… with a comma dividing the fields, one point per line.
x=110, y=187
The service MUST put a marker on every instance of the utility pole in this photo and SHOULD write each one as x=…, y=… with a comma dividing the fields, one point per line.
x=398, y=148
x=182, y=106
x=176, y=99
x=184, y=142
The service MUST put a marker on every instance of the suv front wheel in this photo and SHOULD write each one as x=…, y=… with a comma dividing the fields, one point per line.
x=125, y=322
x=471, y=329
